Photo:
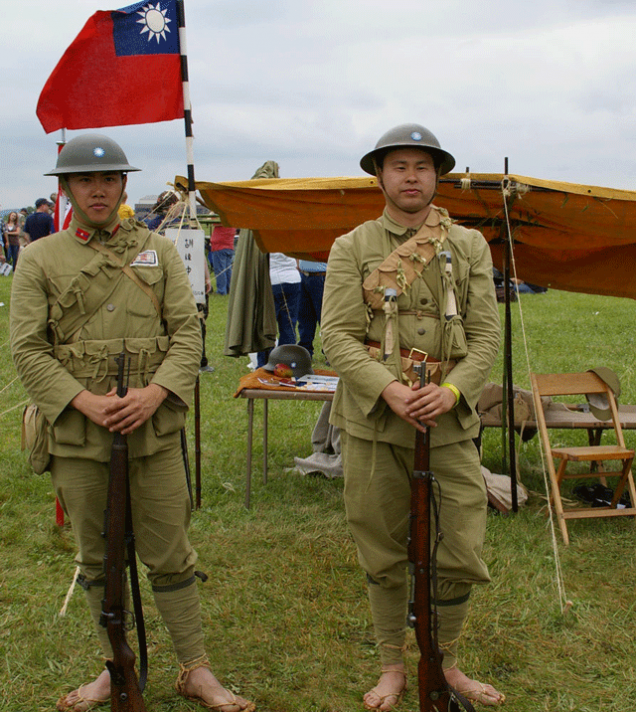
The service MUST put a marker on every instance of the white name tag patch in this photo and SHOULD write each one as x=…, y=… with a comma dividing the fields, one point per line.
x=147, y=258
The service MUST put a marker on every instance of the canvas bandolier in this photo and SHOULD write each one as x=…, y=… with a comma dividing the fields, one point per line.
x=413, y=259
x=92, y=287
x=86, y=293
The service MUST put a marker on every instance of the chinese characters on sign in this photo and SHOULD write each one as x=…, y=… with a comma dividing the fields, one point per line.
x=190, y=245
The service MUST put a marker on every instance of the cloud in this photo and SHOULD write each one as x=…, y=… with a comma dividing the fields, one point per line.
x=313, y=85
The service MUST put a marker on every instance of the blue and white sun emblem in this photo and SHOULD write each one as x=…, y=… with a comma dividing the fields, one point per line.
x=154, y=21
x=98, y=152
x=416, y=136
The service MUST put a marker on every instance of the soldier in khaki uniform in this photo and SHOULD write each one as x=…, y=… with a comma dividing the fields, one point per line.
x=82, y=296
x=411, y=280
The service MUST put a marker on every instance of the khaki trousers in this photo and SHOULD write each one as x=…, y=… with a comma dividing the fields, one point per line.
x=161, y=516
x=377, y=499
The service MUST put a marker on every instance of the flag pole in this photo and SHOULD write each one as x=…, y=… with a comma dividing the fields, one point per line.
x=61, y=202
x=187, y=118
x=60, y=211
x=187, y=110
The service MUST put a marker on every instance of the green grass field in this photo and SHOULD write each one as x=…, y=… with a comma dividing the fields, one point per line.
x=285, y=611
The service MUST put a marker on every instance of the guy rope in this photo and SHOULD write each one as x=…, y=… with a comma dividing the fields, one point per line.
x=511, y=191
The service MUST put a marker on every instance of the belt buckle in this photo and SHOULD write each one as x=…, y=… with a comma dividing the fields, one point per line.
x=419, y=351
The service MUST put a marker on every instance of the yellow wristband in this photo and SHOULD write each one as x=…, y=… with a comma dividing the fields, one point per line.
x=455, y=390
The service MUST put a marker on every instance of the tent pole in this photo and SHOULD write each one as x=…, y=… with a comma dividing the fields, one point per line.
x=508, y=378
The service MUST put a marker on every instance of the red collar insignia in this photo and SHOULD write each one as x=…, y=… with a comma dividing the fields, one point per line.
x=82, y=234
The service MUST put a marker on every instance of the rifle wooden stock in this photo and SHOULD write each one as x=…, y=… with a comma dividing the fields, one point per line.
x=124, y=686
x=436, y=695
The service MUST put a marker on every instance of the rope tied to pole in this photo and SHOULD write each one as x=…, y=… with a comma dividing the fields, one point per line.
x=508, y=189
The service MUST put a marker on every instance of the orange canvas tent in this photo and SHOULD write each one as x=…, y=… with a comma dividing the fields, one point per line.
x=566, y=236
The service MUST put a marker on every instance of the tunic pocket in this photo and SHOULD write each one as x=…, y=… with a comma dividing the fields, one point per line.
x=168, y=419
x=70, y=428
x=147, y=299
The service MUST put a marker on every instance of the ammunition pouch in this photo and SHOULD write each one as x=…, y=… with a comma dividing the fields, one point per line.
x=96, y=359
x=455, y=337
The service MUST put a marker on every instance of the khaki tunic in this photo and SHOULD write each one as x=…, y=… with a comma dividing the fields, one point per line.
x=357, y=407
x=61, y=274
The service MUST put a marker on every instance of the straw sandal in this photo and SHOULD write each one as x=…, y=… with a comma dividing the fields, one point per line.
x=478, y=692
x=232, y=706
x=64, y=706
x=382, y=699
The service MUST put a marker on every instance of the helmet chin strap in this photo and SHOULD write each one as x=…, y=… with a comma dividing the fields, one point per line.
x=81, y=215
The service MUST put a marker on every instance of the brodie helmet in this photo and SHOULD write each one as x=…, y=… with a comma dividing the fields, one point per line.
x=296, y=357
x=408, y=136
x=91, y=152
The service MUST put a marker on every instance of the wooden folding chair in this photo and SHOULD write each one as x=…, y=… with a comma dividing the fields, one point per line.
x=566, y=384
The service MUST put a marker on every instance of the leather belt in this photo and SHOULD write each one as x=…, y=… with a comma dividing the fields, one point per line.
x=413, y=354
x=412, y=312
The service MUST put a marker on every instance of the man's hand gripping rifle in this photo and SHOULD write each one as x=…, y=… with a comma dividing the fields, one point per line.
x=125, y=689
x=436, y=695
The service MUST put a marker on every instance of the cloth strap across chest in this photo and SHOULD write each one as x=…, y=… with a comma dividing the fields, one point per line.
x=92, y=287
x=398, y=272
x=130, y=273
x=404, y=264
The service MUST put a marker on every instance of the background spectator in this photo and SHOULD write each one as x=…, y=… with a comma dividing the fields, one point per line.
x=312, y=285
x=285, y=280
x=3, y=239
x=40, y=223
x=125, y=211
x=12, y=232
x=24, y=213
x=158, y=214
x=221, y=257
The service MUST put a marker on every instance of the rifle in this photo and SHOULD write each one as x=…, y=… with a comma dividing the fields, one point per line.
x=125, y=690
x=436, y=695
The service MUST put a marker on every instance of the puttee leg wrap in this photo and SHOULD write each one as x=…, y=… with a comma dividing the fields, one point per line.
x=388, y=609
x=451, y=615
x=180, y=609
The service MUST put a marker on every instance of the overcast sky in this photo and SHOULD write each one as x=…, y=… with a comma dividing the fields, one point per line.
x=313, y=84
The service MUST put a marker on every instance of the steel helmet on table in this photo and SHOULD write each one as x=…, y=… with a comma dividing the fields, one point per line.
x=297, y=358
x=89, y=153
x=408, y=136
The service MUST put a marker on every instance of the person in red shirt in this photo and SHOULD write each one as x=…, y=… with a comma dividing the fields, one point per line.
x=221, y=257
